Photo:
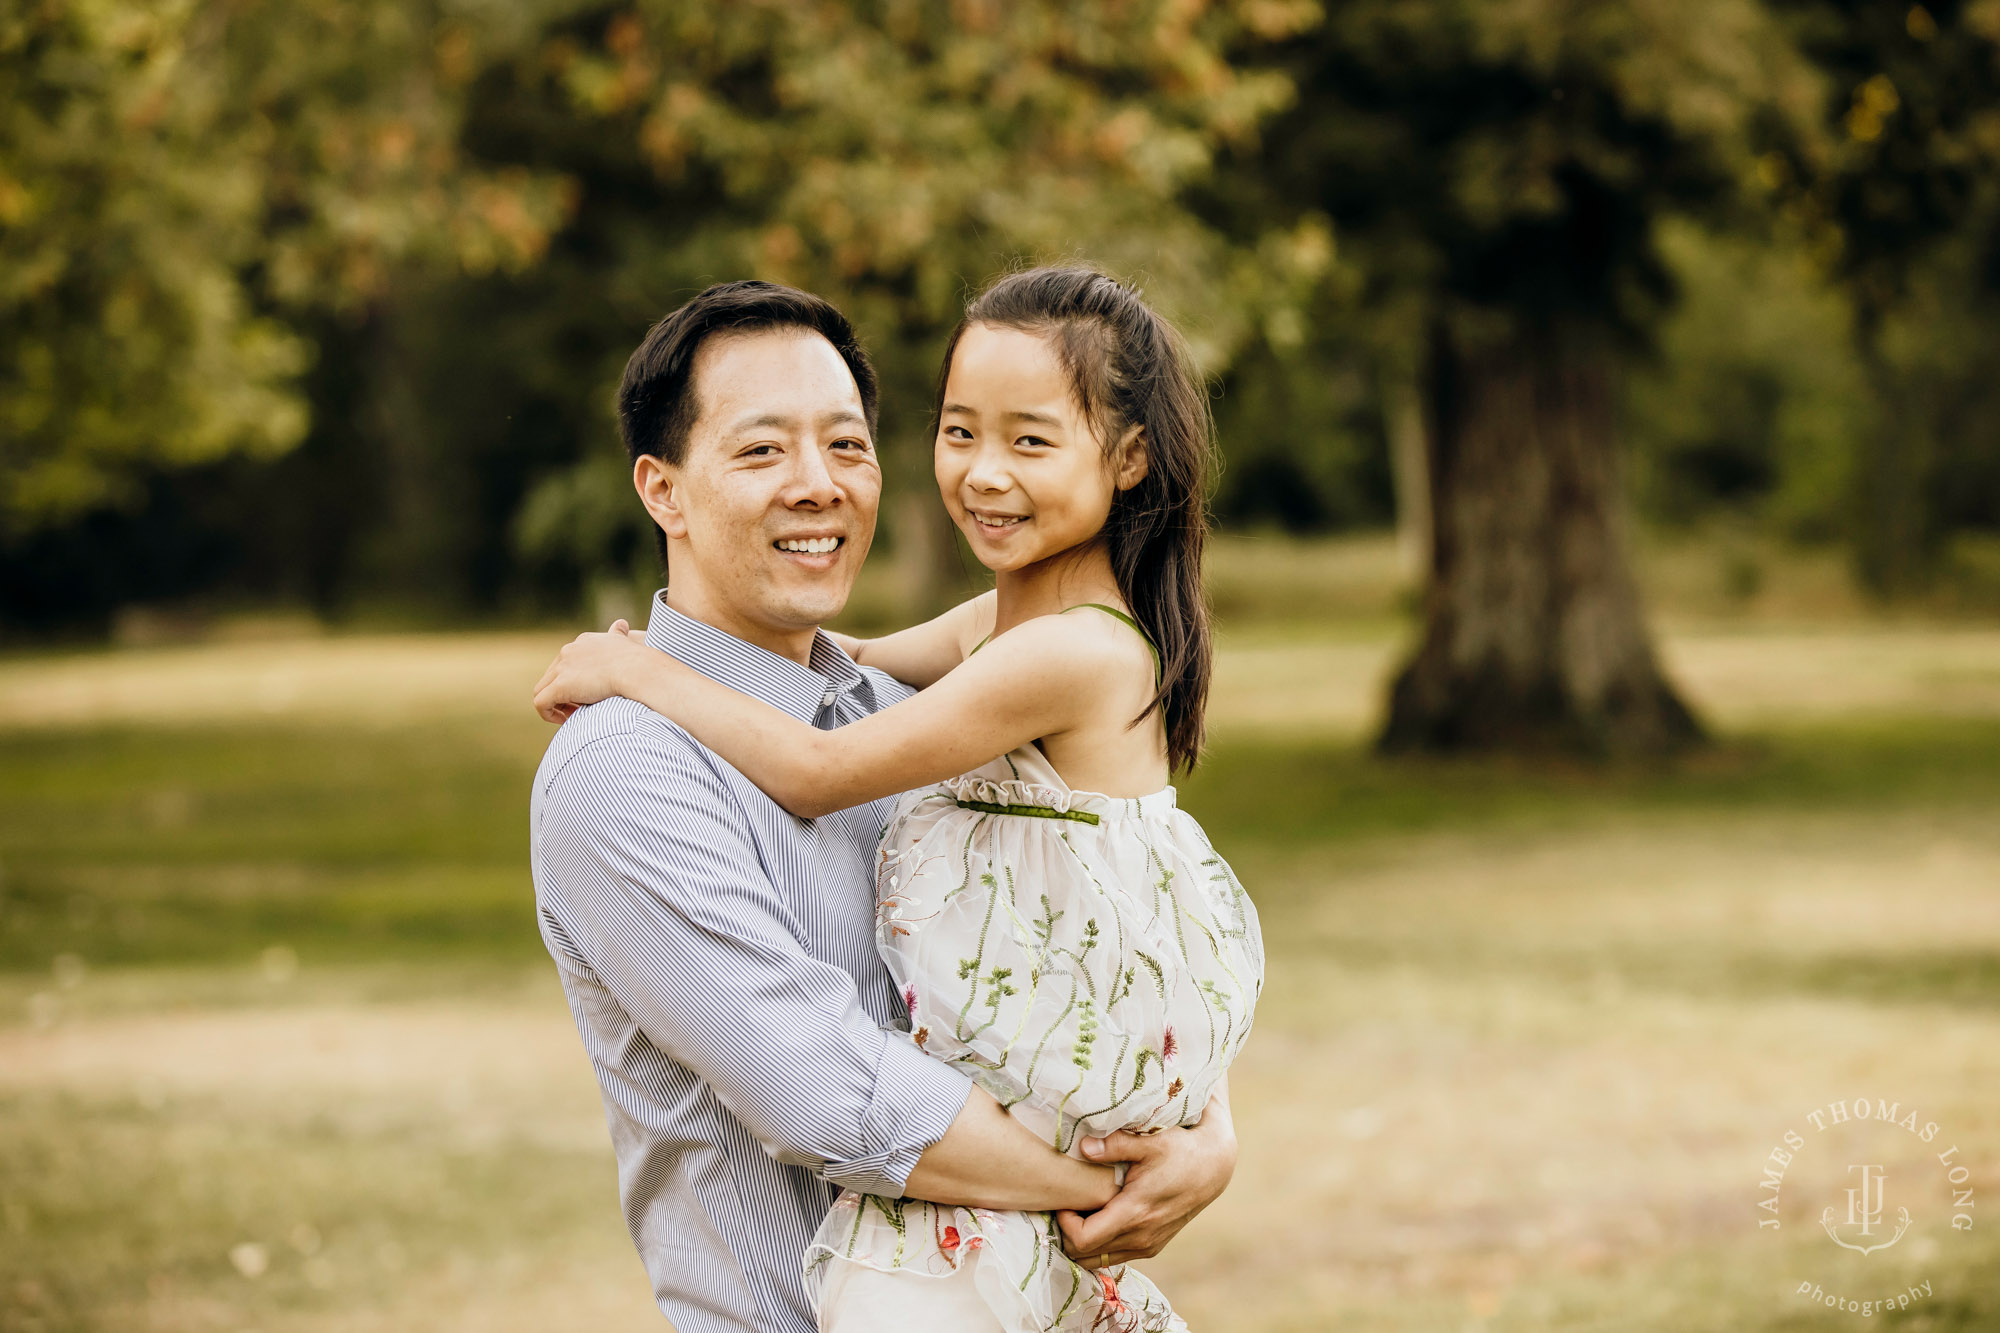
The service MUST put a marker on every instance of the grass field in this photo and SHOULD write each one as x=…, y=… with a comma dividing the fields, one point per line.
x=279, y=1048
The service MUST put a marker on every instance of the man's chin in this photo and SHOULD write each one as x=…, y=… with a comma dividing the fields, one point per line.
x=809, y=607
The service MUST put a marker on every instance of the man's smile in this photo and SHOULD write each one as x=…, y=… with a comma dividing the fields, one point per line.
x=816, y=552
x=809, y=545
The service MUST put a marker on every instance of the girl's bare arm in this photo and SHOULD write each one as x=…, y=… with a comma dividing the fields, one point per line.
x=921, y=654
x=1037, y=680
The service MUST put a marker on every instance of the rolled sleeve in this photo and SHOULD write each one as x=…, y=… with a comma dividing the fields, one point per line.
x=916, y=1099
x=669, y=904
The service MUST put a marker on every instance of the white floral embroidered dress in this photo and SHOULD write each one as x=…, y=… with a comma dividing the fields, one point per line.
x=1094, y=965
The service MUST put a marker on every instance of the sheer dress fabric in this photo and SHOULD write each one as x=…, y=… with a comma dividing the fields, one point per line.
x=1091, y=962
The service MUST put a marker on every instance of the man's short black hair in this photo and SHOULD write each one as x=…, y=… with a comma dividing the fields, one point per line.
x=657, y=404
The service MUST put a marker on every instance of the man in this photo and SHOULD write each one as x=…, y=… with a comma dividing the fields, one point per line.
x=718, y=953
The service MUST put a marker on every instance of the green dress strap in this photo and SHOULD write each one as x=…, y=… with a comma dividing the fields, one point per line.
x=1114, y=611
x=1108, y=610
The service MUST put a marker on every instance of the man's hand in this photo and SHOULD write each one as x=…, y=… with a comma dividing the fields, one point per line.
x=1172, y=1175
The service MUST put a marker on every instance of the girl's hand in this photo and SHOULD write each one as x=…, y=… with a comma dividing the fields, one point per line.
x=589, y=668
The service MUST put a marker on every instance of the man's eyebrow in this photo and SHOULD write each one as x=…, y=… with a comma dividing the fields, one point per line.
x=762, y=421
x=839, y=415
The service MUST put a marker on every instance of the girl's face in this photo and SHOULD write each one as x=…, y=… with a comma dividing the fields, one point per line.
x=1022, y=473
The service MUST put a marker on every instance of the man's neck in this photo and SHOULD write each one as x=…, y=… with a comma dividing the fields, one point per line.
x=795, y=644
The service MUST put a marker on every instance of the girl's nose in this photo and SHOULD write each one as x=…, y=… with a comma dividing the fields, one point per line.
x=987, y=472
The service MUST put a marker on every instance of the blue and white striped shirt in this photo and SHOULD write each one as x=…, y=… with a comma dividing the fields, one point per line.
x=719, y=957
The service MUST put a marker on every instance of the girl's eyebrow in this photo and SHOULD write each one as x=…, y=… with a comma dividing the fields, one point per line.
x=1039, y=418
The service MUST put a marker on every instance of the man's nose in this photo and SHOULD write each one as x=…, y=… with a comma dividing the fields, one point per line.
x=811, y=483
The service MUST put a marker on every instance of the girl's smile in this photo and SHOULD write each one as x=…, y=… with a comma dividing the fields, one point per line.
x=1021, y=469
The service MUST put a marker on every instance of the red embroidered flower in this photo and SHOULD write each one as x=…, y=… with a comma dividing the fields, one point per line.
x=1168, y=1045
x=910, y=998
x=950, y=1241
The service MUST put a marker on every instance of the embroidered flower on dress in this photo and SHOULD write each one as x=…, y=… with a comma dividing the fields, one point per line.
x=910, y=1000
x=1168, y=1045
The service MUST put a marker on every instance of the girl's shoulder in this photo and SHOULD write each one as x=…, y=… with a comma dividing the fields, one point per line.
x=974, y=619
x=1089, y=646
x=1121, y=616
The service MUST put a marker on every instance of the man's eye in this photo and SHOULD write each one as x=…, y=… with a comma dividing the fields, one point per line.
x=760, y=450
x=851, y=444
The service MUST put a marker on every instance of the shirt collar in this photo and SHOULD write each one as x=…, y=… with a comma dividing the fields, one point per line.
x=803, y=692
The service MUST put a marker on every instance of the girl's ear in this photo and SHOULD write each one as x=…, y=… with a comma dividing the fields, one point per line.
x=659, y=490
x=1129, y=461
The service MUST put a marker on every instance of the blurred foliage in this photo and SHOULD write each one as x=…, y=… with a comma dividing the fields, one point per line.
x=1897, y=194
x=176, y=179
x=1490, y=170
x=1756, y=404
x=893, y=158
x=325, y=302
x=1486, y=159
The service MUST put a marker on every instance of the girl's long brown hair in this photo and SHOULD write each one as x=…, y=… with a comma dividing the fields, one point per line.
x=1128, y=367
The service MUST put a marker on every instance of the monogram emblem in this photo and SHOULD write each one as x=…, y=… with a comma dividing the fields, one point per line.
x=1864, y=1214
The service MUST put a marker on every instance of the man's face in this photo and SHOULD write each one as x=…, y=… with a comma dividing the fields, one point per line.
x=771, y=511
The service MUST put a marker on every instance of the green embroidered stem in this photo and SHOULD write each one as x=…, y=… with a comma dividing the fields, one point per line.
x=1037, y=811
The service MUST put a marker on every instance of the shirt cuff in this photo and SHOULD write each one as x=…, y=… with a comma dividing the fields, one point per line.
x=916, y=1099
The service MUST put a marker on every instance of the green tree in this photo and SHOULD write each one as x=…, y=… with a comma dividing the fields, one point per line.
x=1896, y=187
x=178, y=183
x=892, y=156
x=1498, y=171
x=1756, y=406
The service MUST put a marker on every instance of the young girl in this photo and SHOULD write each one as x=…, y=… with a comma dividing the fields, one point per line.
x=1059, y=928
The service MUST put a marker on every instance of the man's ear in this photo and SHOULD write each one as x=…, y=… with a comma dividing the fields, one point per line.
x=1129, y=461
x=658, y=484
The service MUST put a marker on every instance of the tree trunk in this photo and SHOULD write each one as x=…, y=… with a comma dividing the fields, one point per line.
x=1409, y=458
x=932, y=573
x=1895, y=536
x=1533, y=636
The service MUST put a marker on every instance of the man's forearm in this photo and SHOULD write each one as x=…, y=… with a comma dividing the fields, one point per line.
x=988, y=1159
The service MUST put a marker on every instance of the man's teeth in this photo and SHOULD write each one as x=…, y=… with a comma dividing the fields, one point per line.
x=809, y=545
x=995, y=521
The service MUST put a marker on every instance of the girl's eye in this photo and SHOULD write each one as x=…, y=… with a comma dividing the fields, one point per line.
x=1033, y=439
x=957, y=433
